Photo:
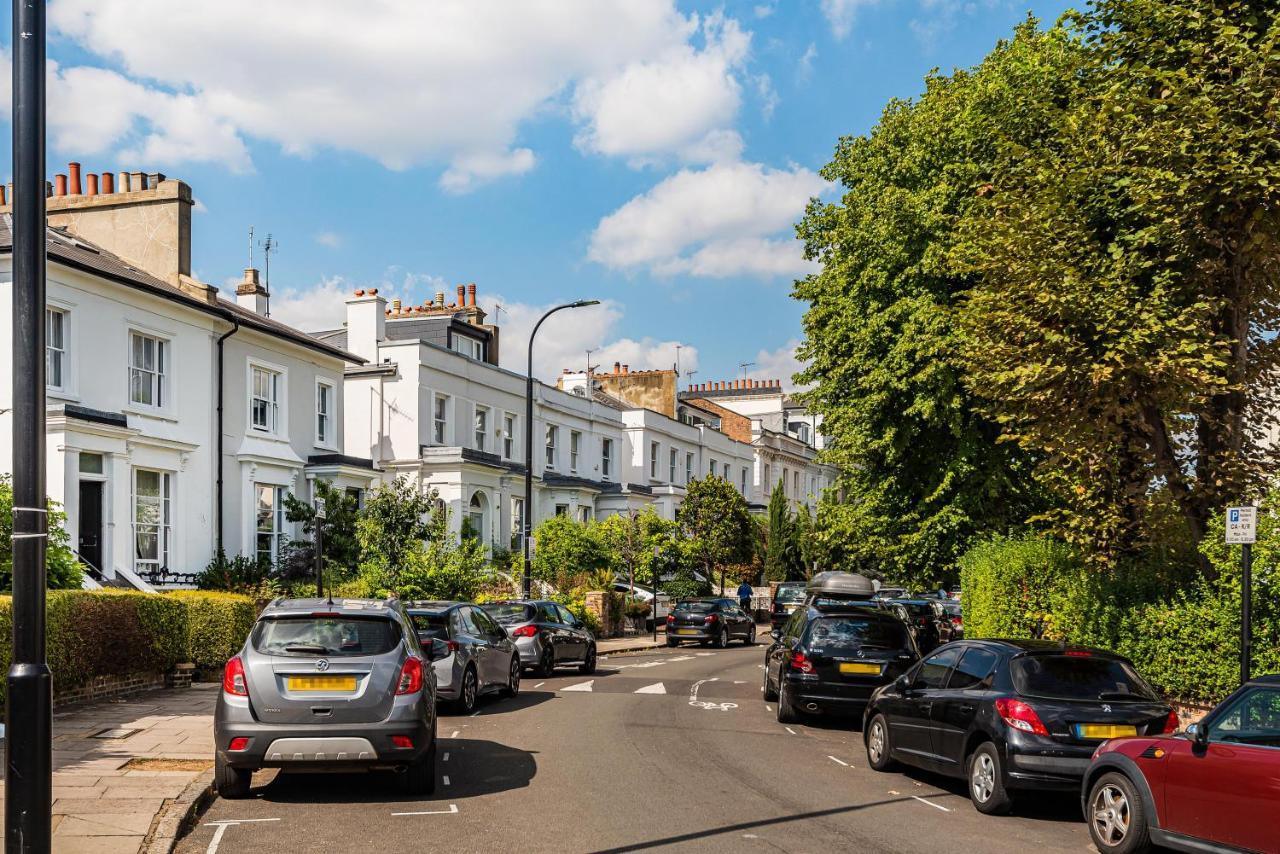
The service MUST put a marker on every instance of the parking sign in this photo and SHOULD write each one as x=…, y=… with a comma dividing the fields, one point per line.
x=1241, y=525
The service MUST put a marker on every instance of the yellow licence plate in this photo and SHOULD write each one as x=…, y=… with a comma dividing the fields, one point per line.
x=686, y=631
x=322, y=683
x=1105, y=730
x=860, y=668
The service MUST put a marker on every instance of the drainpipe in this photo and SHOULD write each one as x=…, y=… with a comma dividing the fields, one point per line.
x=235, y=327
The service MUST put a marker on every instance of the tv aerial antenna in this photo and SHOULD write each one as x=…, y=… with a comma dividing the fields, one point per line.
x=268, y=246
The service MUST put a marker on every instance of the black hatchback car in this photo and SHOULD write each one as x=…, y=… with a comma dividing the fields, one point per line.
x=922, y=618
x=832, y=658
x=1010, y=714
x=710, y=621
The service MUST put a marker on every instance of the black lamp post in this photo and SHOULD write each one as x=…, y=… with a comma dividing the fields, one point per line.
x=527, y=522
x=29, y=711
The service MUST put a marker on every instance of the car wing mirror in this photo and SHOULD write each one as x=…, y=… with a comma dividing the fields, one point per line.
x=437, y=649
x=1198, y=732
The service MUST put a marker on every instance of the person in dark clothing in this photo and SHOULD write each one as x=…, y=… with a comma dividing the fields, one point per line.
x=744, y=596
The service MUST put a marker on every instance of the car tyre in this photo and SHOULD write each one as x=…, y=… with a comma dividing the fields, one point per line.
x=547, y=663
x=1116, y=816
x=231, y=783
x=770, y=695
x=588, y=665
x=986, y=781
x=420, y=777
x=722, y=639
x=750, y=640
x=787, y=711
x=469, y=695
x=672, y=642
x=879, y=750
x=513, y=679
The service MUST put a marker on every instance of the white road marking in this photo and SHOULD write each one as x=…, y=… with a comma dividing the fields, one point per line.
x=217, y=839
x=540, y=684
x=446, y=780
x=739, y=682
x=455, y=734
x=768, y=708
x=476, y=712
x=222, y=828
x=840, y=761
x=681, y=658
x=703, y=653
x=237, y=821
x=446, y=756
x=931, y=803
x=790, y=730
x=452, y=810
x=581, y=686
x=655, y=688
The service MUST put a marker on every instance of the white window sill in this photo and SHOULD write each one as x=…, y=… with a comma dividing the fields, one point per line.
x=61, y=394
x=323, y=447
x=269, y=437
x=151, y=412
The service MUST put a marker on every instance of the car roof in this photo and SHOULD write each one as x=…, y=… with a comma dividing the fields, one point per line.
x=1038, y=645
x=850, y=610
x=1270, y=679
x=328, y=606
x=431, y=607
x=518, y=602
x=914, y=601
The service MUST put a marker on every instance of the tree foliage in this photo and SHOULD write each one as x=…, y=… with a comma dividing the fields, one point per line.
x=394, y=523
x=716, y=523
x=639, y=542
x=783, y=559
x=62, y=570
x=341, y=542
x=567, y=552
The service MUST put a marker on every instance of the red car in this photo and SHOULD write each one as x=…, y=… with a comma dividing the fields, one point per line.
x=1215, y=787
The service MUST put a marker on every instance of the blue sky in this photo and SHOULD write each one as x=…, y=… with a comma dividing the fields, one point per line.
x=651, y=155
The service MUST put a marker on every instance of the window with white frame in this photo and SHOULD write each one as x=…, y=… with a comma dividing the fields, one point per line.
x=688, y=468
x=517, y=517
x=468, y=346
x=584, y=513
x=795, y=484
x=671, y=466
x=324, y=413
x=482, y=428
x=653, y=460
x=711, y=467
x=152, y=521
x=264, y=399
x=553, y=437
x=509, y=436
x=768, y=484
x=606, y=458
x=745, y=475
x=55, y=348
x=270, y=521
x=575, y=444
x=440, y=419
x=148, y=370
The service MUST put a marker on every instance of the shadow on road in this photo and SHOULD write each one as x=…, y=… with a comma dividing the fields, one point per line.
x=1040, y=806
x=493, y=705
x=492, y=768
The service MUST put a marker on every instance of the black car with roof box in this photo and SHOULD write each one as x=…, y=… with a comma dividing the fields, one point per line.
x=1010, y=714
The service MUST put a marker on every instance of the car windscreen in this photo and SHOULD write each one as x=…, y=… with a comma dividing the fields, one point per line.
x=431, y=625
x=1078, y=676
x=790, y=594
x=509, y=613
x=837, y=633
x=697, y=607
x=330, y=636
x=951, y=610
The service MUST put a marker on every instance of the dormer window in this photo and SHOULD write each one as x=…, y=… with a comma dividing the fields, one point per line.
x=470, y=347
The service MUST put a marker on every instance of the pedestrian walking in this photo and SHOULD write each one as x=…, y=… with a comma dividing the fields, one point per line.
x=744, y=596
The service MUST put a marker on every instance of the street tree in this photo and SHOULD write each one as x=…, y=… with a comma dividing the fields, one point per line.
x=716, y=524
x=783, y=561
x=342, y=510
x=393, y=524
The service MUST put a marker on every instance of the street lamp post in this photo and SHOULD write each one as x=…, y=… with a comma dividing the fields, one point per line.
x=29, y=710
x=527, y=523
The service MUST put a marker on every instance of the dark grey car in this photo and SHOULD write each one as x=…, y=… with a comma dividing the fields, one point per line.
x=479, y=658
x=546, y=635
x=710, y=621
x=325, y=684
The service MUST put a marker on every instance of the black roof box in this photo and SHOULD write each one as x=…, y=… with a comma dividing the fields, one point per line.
x=844, y=585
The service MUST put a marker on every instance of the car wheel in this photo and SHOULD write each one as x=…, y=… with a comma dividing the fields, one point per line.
x=420, y=777
x=878, y=749
x=751, y=637
x=231, y=783
x=722, y=639
x=547, y=663
x=672, y=642
x=1117, y=819
x=470, y=692
x=769, y=694
x=513, y=679
x=588, y=665
x=986, y=781
x=787, y=711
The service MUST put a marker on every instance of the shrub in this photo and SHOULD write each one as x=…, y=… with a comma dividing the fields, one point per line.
x=567, y=552
x=62, y=570
x=217, y=626
x=235, y=574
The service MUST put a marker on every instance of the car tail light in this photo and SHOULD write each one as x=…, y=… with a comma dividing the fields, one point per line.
x=525, y=632
x=1171, y=724
x=671, y=618
x=710, y=618
x=238, y=743
x=957, y=621
x=402, y=741
x=799, y=662
x=410, y=676
x=233, y=679
x=1078, y=653
x=1019, y=715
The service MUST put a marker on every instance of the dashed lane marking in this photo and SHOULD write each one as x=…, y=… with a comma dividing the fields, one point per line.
x=452, y=810
x=701, y=654
x=540, y=684
x=446, y=756
x=455, y=734
x=446, y=780
x=838, y=761
x=581, y=686
x=931, y=803
x=790, y=730
x=768, y=708
x=655, y=688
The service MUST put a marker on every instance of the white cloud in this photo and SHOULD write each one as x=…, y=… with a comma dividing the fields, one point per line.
x=727, y=219
x=780, y=364
x=763, y=10
x=400, y=81
x=840, y=15
x=331, y=239
x=674, y=103
x=769, y=99
x=804, y=68
x=323, y=305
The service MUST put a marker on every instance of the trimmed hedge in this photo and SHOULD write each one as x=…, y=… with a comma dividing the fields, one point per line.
x=119, y=633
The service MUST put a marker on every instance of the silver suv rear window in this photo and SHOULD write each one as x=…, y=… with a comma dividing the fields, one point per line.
x=330, y=636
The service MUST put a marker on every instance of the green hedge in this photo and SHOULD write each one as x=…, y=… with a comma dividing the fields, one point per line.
x=1186, y=642
x=117, y=633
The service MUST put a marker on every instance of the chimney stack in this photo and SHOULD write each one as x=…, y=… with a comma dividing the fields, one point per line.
x=250, y=293
x=366, y=323
x=462, y=295
x=59, y=184
x=92, y=184
x=626, y=369
x=439, y=299
x=73, y=170
x=471, y=294
x=108, y=183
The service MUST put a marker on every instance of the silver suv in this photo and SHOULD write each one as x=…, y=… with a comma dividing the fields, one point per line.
x=328, y=684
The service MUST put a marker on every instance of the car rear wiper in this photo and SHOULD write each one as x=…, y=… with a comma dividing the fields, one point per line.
x=1122, y=695
x=307, y=647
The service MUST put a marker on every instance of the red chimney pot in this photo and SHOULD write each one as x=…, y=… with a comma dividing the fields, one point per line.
x=373, y=292
x=471, y=294
x=92, y=181
x=73, y=176
x=59, y=184
x=108, y=183
x=359, y=292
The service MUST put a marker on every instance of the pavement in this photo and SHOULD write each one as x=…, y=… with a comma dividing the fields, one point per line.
x=118, y=766
x=670, y=749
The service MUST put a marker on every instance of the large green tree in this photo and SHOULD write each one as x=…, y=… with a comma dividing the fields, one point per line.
x=1123, y=324
x=783, y=560
x=717, y=526
x=923, y=471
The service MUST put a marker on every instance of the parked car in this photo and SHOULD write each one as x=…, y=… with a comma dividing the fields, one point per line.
x=922, y=618
x=831, y=658
x=1010, y=715
x=1212, y=788
x=479, y=659
x=787, y=597
x=891, y=593
x=546, y=635
x=950, y=621
x=327, y=685
x=709, y=621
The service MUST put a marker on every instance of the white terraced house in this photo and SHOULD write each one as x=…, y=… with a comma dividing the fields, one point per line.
x=177, y=420
x=430, y=403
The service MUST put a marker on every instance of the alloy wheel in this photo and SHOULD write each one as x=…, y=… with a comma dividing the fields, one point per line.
x=469, y=690
x=513, y=684
x=875, y=742
x=983, y=778
x=1110, y=815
